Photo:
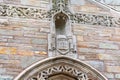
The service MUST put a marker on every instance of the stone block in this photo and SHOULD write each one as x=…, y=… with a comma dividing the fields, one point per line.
x=91, y=50
x=46, y=30
x=80, y=38
x=8, y=50
x=1, y=0
x=39, y=41
x=2, y=70
x=112, y=63
x=25, y=53
x=6, y=77
x=3, y=40
x=7, y=37
x=108, y=46
x=18, y=40
x=81, y=57
x=108, y=57
x=77, y=2
x=91, y=56
x=117, y=76
x=30, y=29
x=36, y=35
x=4, y=56
x=115, y=69
x=117, y=31
x=99, y=65
x=12, y=1
x=105, y=34
x=115, y=52
x=84, y=44
x=2, y=50
x=28, y=60
x=115, y=38
x=109, y=75
x=11, y=32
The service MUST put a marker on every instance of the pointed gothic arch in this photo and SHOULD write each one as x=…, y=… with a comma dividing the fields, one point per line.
x=60, y=67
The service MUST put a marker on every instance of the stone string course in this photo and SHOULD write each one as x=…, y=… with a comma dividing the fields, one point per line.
x=36, y=13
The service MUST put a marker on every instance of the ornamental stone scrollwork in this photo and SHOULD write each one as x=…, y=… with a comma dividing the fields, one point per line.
x=22, y=12
x=91, y=19
x=60, y=69
x=58, y=6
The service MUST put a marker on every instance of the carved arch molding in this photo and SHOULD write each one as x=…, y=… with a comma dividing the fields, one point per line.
x=60, y=67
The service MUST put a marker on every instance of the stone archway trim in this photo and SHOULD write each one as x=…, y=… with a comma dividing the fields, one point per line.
x=52, y=59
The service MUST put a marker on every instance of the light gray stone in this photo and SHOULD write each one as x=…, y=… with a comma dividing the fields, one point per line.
x=5, y=77
x=2, y=70
x=108, y=46
x=117, y=76
x=39, y=41
x=109, y=75
x=99, y=65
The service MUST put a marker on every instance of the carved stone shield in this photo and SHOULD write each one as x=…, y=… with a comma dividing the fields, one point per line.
x=62, y=44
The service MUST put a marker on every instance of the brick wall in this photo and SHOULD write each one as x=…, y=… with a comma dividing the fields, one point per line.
x=99, y=46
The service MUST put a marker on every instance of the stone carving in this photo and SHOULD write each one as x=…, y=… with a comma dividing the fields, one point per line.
x=65, y=69
x=65, y=45
x=92, y=19
x=21, y=12
x=62, y=44
x=58, y=6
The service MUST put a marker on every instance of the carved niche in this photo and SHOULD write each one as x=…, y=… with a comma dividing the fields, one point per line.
x=62, y=41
